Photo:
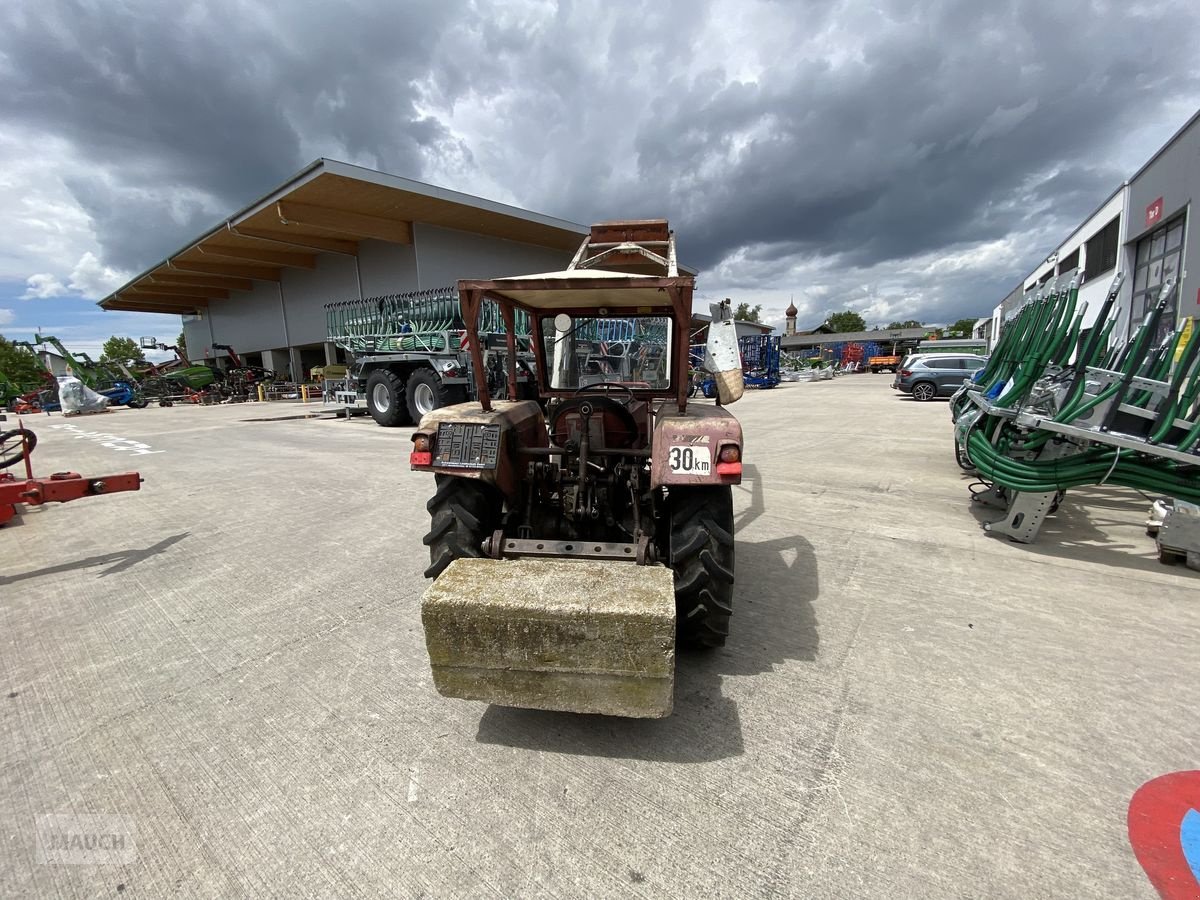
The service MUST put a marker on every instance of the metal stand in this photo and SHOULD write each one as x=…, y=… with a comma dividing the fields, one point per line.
x=1026, y=510
x=1179, y=540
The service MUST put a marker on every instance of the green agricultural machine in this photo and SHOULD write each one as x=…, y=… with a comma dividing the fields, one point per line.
x=409, y=353
x=1061, y=406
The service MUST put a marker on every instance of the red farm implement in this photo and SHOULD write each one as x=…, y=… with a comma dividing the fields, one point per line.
x=16, y=446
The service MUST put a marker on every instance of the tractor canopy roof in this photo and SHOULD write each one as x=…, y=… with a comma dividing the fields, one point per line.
x=586, y=289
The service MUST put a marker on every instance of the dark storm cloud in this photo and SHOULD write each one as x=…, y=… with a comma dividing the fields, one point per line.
x=922, y=143
x=188, y=111
x=776, y=136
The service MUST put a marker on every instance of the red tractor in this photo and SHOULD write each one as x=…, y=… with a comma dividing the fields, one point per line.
x=576, y=538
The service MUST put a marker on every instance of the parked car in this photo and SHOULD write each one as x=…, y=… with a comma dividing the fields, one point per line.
x=932, y=375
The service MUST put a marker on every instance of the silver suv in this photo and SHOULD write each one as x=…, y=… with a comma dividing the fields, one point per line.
x=932, y=375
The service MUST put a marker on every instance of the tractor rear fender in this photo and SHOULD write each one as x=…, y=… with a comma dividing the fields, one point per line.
x=687, y=446
x=466, y=442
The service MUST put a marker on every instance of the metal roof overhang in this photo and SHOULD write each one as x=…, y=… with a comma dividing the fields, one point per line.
x=329, y=207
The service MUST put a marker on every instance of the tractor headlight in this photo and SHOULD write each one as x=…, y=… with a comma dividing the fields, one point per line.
x=422, y=443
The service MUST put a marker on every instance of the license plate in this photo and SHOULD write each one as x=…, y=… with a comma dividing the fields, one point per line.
x=688, y=460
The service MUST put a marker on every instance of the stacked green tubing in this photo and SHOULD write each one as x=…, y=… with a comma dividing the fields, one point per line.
x=1045, y=338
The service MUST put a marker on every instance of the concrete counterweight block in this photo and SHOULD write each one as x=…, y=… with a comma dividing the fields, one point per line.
x=573, y=635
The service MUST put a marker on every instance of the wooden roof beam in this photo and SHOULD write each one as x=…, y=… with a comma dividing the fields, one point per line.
x=165, y=310
x=291, y=239
x=204, y=281
x=345, y=222
x=178, y=290
x=140, y=304
x=236, y=270
x=128, y=296
x=253, y=254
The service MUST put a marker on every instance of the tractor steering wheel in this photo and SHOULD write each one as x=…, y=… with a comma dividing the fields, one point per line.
x=606, y=388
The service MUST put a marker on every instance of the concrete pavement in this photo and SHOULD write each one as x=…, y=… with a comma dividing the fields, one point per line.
x=232, y=661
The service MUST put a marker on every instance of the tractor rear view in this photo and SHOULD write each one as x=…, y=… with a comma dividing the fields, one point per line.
x=575, y=541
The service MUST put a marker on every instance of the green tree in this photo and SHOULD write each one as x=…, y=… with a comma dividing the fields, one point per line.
x=181, y=343
x=746, y=313
x=19, y=365
x=962, y=328
x=123, y=350
x=847, y=320
x=907, y=323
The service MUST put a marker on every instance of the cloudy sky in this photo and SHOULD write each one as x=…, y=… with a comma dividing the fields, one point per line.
x=905, y=158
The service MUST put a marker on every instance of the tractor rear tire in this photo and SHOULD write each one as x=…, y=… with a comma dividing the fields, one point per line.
x=463, y=513
x=385, y=399
x=702, y=559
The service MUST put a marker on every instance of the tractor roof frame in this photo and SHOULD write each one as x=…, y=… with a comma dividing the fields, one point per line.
x=595, y=283
x=674, y=301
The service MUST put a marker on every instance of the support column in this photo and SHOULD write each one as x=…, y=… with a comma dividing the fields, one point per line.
x=276, y=361
x=330, y=353
x=297, y=364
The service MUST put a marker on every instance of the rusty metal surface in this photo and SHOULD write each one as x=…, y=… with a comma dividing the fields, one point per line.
x=703, y=428
x=516, y=547
x=521, y=425
x=61, y=488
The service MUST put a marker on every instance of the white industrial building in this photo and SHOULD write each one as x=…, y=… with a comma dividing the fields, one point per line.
x=1142, y=230
x=259, y=280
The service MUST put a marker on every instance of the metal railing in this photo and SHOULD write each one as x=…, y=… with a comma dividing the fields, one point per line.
x=417, y=321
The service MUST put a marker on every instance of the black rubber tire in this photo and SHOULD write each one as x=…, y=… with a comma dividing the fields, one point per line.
x=961, y=457
x=396, y=412
x=442, y=395
x=921, y=395
x=701, y=554
x=462, y=513
x=1170, y=557
x=13, y=449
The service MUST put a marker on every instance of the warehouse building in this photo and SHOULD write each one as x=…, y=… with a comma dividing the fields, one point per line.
x=1141, y=230
x=258, y=282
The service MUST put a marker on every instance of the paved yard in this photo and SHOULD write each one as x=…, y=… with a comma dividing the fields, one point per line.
x=232, y=661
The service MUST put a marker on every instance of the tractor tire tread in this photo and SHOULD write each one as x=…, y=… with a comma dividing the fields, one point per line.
x=397, y=413
x=462, y=515
x=702, y=557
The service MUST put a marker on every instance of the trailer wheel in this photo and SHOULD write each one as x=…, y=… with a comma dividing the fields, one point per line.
x=385, y=398
x=702, y=558
x=15, y=445
x=425, y=393
x=463, y=512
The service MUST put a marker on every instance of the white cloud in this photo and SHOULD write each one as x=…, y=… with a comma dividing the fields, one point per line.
x=90, y=279
x=43, y=286
x=45, y=227
x=93, y=279
x=6, y=316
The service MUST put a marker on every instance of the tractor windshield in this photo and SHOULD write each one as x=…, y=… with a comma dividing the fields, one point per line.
x=582, y=350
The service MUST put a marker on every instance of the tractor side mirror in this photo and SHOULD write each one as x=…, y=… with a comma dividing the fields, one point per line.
x=722, y=357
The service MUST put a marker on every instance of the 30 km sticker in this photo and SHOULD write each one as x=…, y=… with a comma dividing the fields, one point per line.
x=690, y=460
